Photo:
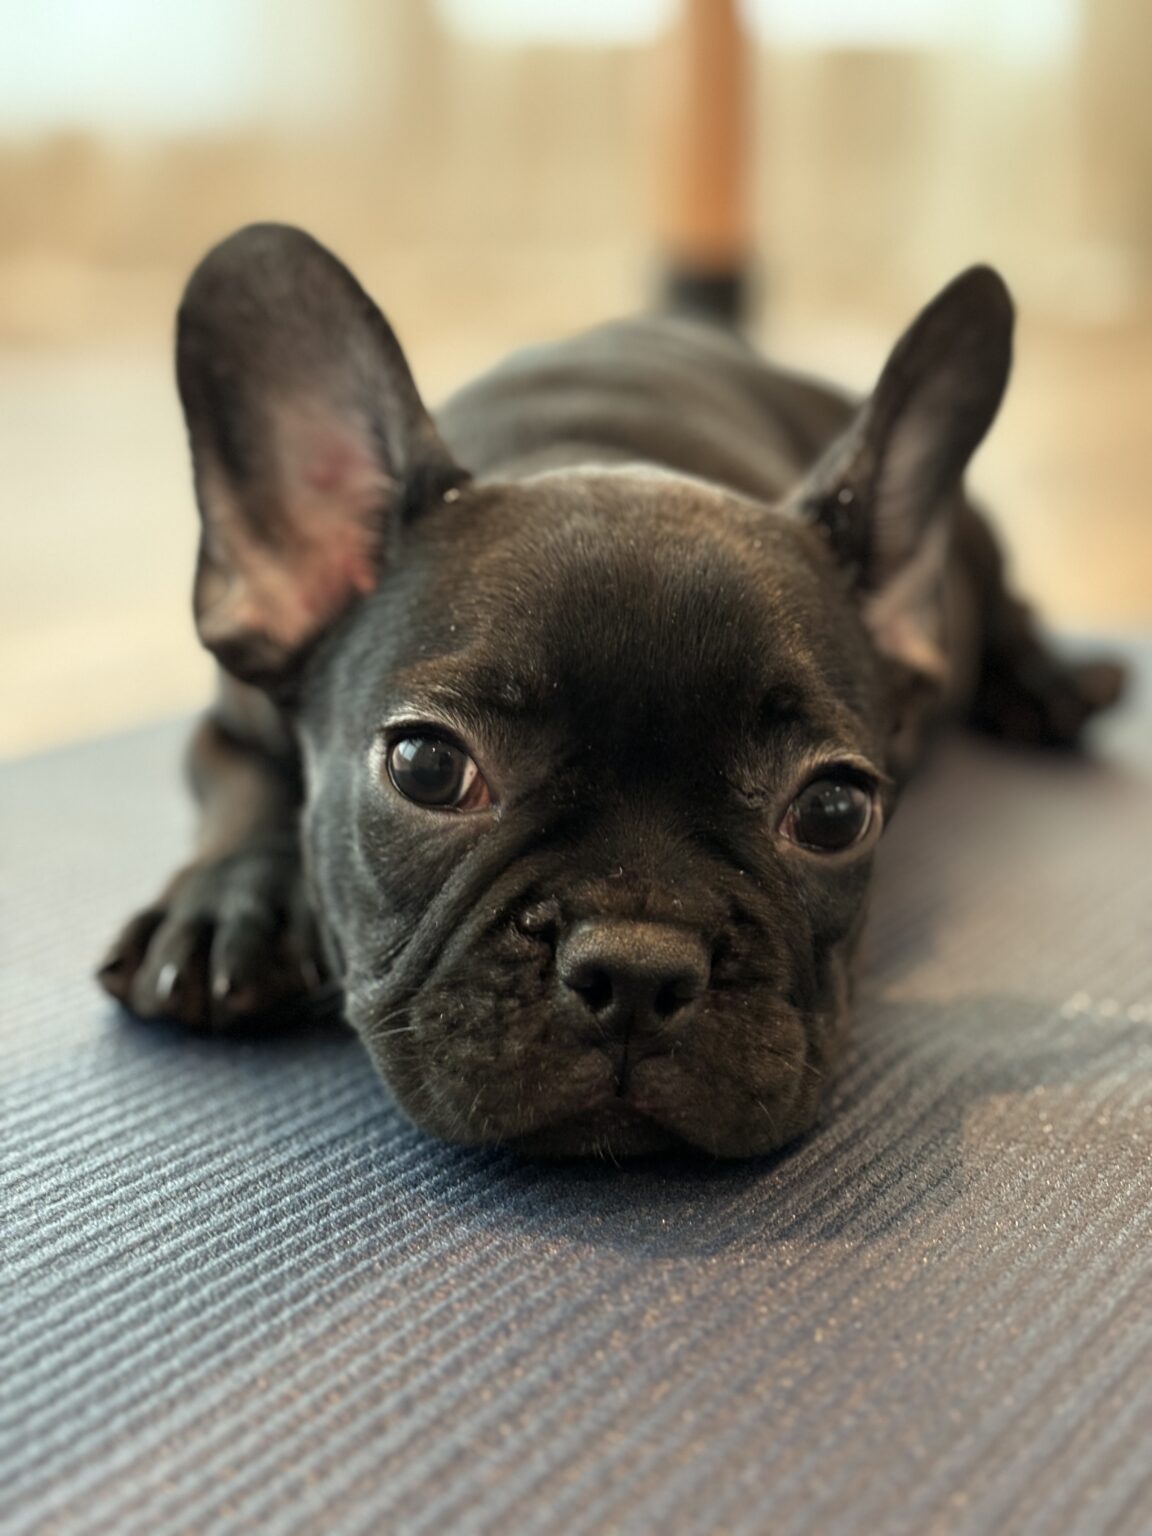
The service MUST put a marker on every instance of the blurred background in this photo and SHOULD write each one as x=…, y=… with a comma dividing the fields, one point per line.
x=491, y=171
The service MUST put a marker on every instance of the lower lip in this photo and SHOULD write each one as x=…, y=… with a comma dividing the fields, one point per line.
x=616, y=1111
x=612, y=1129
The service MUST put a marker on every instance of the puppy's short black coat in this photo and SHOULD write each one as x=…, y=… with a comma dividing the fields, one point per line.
x=559, y=734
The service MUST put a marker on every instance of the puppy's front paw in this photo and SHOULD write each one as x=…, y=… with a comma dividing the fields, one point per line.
x=225, y=940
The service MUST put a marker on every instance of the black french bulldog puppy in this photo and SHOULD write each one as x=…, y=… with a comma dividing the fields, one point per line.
x=560, y=733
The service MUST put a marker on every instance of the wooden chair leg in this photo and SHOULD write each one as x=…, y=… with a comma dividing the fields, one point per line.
x=703, y=153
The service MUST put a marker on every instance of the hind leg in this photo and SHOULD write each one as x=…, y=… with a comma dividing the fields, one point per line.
x=1025, y=691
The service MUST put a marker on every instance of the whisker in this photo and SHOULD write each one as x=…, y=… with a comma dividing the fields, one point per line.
x=773, y=1123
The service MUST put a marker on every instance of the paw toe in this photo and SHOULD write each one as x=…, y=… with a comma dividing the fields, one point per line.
x=251, y=969
x=172, y=981
x=119, y=967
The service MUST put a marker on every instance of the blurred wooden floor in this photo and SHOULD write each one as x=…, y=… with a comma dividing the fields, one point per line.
x=97, y=531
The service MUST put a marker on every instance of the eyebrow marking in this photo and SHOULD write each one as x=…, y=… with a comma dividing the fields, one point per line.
x=783, y=704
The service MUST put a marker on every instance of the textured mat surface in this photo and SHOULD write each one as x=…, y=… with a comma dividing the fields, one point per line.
x=242, y=1295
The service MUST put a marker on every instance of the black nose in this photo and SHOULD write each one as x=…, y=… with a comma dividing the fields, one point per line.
x=633, y=975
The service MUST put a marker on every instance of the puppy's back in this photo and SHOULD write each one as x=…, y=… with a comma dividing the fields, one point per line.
x=665, y=390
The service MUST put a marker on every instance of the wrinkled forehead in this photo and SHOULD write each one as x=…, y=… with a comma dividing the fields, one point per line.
x=636, y=606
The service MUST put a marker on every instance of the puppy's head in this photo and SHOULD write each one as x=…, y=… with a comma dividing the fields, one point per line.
x=596, y=761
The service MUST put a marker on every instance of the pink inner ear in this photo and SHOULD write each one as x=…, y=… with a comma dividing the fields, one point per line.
x=333, y=461
x=906, y=616
x=322, y=550
x=333, y=489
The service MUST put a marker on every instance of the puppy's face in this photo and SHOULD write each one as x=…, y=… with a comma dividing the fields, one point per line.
x=594, y=804
x=596, y=761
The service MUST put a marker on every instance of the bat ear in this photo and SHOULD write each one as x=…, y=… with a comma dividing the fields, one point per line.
x=882, y=492
x=310, y=444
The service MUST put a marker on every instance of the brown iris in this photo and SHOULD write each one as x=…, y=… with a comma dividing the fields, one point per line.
x=435, y=772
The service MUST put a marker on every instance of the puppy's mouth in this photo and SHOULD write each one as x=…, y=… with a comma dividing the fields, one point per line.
x=610, y=1131
x=564, y=1063
x=580, y=1106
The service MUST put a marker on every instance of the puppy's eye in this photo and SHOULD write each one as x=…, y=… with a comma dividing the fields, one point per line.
x=830, y=814
x=433, y=771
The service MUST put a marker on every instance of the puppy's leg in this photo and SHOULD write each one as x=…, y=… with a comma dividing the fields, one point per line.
x=231, y=934
x=1025, y=691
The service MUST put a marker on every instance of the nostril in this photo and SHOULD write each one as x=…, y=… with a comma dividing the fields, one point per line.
x=675, y=995
x=595, y=987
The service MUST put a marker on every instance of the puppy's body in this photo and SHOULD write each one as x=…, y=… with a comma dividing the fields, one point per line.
x=679, y=625
x=670, y=391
